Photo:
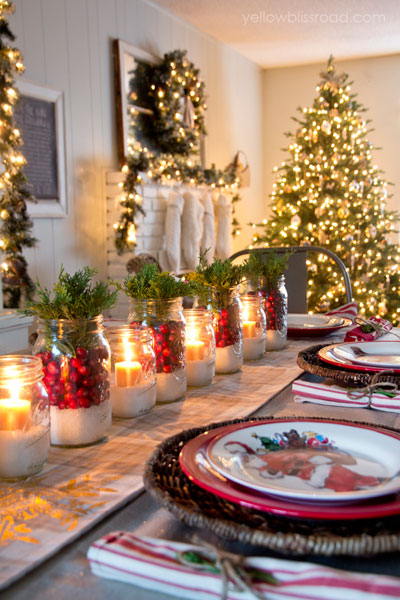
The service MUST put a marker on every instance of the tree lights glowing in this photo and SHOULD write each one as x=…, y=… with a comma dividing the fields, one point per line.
x=329, y=193
x=15, y=225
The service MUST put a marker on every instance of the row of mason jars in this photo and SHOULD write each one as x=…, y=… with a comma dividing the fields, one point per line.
x=86, y=373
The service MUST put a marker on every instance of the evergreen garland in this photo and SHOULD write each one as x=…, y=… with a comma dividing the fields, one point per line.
x=165, y=88
x=15, y=225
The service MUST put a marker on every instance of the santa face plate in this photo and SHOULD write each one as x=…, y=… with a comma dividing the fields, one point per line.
x=309, y=460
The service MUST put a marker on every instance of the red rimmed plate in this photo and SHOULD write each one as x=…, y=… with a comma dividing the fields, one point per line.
x=344, y=355
x=303, y=325
x=194, y=463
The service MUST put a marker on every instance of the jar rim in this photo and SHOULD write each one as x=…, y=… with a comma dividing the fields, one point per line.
x=25, y=367
x=97, y=319
x=142, y=333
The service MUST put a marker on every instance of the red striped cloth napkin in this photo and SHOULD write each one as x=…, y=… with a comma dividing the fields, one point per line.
x=373, y=328
x=156, y=565
x=348, y=311
x=333, y=395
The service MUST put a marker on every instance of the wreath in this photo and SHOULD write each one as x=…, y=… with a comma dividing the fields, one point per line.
x=174, y=93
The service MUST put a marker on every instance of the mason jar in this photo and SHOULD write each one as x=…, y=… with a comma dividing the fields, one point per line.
x=276, y=311
x=24, y=417
x=76, y=365
x=254, y=327
x=133, y=371
x=228, y=330
x=166, y=321
x=200, y=347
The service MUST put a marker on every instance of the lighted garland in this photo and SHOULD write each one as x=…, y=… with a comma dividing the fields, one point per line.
x=165, y=167
x=15, y=225
x=175, y=95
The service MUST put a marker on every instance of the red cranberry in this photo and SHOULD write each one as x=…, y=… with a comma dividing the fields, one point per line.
x=81, y=353
x=46, y=356
x=164, y=328
x=167, y=368
x=88, y=382
x=84, y=370
x=82, y=392
x=53, y=367
x=61, y=405
x=76, y=363
x=84, y=402
x=73, y=376
x=166, y=352
x=224, y=314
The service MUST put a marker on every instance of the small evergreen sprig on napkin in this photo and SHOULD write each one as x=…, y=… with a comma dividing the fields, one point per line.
x=268, y=265
x=150, y=284
x=74, y=297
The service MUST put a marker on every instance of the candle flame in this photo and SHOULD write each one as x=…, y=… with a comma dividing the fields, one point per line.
x=127, y=349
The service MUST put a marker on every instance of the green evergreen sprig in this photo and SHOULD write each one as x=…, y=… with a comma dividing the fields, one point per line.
x=150, y=284
x=74, y=297
x=212, y=283
x=267, y=264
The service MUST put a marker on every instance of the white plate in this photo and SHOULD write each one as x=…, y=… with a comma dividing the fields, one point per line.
x=372, y=354
x=310, y=461
x=298, y=321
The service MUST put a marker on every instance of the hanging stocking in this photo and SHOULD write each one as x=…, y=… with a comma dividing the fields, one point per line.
x=173, y=230
x=188, y=112
x=192, y=229
x=208, y=239
x=223, y=213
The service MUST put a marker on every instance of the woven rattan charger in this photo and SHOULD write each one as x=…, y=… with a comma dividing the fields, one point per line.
x=309, y=361
x=167, y=483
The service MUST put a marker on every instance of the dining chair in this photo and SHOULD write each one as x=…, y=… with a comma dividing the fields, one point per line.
x=296, y=272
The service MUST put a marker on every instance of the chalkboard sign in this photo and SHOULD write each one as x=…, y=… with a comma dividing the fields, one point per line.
x=36, y=120
x=39, y=117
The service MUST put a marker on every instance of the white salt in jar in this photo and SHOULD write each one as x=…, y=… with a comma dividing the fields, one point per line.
x=200, y=347
x=24, y=417
x=133, y=371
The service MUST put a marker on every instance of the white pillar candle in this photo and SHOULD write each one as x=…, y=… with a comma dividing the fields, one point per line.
x=171, y=386
x=275, y=340
x=23, y=453
x=200, y=373
x=80, y=426
x=253, y=347
x=127, y=373
x=14, y=413
x=249, y=329
x=128, y=402
x=228, y=359
x=195, y=350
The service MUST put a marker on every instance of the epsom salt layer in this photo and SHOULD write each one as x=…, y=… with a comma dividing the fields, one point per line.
x=228, y=360
x=80, y=426
x=253, y=348
x=200, y=372
x=171, y=386
x=276, y=340
x=23, y=453
x=128, y=402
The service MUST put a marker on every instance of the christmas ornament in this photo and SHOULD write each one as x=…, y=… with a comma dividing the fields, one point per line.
x=354, y=186
x=334, y=112
x=326, y=127
x=371, y=231
x=295, y=222
x=343, y=212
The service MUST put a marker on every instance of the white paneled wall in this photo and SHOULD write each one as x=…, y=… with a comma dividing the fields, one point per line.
x=67, y=45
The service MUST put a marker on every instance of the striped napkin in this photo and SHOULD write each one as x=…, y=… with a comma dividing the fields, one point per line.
x=319, y=391
x=370, y=330
x=347, y=311
x=156, y=564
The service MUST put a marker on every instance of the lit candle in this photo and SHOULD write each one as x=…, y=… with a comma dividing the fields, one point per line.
x=195, y=350
x=127, y=373
x=14, y=413
x=249, y=329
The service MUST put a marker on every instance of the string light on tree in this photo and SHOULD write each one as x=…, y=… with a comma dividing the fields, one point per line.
x=329, y=193
x=15, y=225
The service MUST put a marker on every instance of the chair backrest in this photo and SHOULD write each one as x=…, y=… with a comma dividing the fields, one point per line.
x=296, y=272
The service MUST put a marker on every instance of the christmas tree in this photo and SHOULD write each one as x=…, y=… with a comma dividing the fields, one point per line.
x=15, y=225
x=329, y=193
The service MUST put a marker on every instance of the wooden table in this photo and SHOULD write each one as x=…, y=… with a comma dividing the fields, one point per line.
x=67, y=576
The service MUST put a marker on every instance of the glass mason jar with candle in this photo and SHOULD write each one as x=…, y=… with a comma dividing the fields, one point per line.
x=133, y=371
x=76, y=365
x=200, y=347
x=228, y=329
x=254, y=327
x=24, y=417
x=167, y=324
x=276, y=310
